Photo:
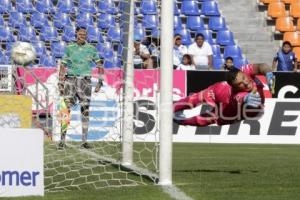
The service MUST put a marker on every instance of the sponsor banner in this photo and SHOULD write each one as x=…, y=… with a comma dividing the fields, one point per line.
x=287, y=85
x=21, y=162
x=280, y=124
x=15, y=111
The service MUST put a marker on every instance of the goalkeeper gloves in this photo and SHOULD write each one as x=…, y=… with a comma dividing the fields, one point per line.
x=252, y=99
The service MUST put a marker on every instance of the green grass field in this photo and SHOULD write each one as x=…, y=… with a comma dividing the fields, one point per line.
x=215, y=172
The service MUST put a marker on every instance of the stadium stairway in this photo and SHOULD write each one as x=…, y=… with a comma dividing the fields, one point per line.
x=249, y=28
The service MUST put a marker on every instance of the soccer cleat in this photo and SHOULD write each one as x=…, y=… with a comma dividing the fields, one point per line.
x=61, y=145
x=85, y=145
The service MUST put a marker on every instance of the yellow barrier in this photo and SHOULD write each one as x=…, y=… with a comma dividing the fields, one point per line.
x=17, y=106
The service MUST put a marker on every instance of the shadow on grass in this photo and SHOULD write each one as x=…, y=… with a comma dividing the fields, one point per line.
x=217, y=171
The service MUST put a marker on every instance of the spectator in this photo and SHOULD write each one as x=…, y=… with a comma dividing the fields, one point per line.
x=201, y=52
x=155, y=51
x=187, y=63
x=285, y=58
x=178, y=51
x=228, y=65
x=141, y=58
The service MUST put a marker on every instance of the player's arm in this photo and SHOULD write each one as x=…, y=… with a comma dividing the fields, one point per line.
x=261, y=69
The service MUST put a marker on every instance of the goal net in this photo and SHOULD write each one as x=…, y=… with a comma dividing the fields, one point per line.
x=122, y=121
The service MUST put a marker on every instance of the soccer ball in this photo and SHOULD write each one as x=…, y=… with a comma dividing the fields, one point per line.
x=23, y=53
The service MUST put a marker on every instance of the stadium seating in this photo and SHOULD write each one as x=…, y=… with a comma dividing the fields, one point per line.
x=5, y=6
x=190, y=8
x=292, y=37
x=47, y=61
x=218, y=62
x=225, y=37
x=216, y=51
x=296, y=50
x=139, y=32
x=114, y=34
x=177, y=22
x=289, y=1
x=68, y=34
x=44, y=6
x=61, y=20
x=107, y=6
x=39, y=48
x=276, y=9
x=233, y=51
x=24, y=6
x=295, y=9
x=148, y=7
x=38, y=20
x=105, y=50
x=150, y=21
x=194, y=23
x=268, y=1
x=16, y=19
x=1, y=20
x=87, y=6
x=49, y=34
x=217, y=23
x=65, y=6
x=176, y=9
x=58, y=49
x=94, y=35
x=284, y=24
x=85, y=20
x=106, y=20
x=4, y=59
x=298, y=25
x=27, y=34
x=238, y=62
x=210, y=8
x=6, y=34
x=185, y=36
x=112, y=62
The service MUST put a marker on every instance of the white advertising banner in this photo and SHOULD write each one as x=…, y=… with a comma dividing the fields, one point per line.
x=21, y=162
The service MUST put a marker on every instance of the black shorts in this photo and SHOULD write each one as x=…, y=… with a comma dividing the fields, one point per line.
x=77, y=88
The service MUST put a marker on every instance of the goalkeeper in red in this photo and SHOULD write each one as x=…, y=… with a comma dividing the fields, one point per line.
x=240, y=97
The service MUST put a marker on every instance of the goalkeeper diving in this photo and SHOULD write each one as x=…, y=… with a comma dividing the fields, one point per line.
x=240, y=97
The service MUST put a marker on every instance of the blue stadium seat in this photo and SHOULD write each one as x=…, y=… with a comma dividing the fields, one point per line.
x=195, y=23
x=106, y=20
x=65, y=6
x=27, y=34
x=9, y=45
x=1, y=20
x=94, y=35
x=190, y=8
x=40, y=48
x=68, y=34
x=176, y=9
x=218, y=62
x=44, y=6
x=148, y=7
x=6, y=34
x=155, y=33
x=233, y=51
x=139, y=32
x=216, y=51
x=16, y=19
x=225, y=38
x=39, y=20
x=5, y=6
x=207, y=35
x=210, y=8
x=4, y=59
x=107, y=6
x=112, y=62
x=49, y=34
x=24, y=6
x=150, y=21
x=105, y=50
x=85, y=20
x=47, y=61
x=238, y=62
x=217, y=23
x=58, y=49
x=114, y=34
x=185, y=36
x=87, y=6
x=61, y=20
x=177, y=22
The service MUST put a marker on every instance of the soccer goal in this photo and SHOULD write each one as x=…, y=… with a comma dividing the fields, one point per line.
x=129, y=119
